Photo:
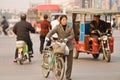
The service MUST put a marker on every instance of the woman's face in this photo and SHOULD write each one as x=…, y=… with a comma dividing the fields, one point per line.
x=64, y=21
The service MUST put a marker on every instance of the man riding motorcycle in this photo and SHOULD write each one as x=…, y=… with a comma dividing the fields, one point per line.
x=97, y=24
x=22, y=29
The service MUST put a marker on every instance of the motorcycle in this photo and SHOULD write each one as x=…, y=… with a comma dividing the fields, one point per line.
x=104, y=41
x=22, y=51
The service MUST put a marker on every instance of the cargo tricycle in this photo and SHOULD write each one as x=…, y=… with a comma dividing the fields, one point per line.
x=83, y=41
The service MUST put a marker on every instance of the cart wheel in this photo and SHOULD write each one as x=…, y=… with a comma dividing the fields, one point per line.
x=95, y=56
x=75, y=53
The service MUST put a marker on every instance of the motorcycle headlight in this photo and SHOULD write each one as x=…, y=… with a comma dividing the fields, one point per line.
x=104, y=37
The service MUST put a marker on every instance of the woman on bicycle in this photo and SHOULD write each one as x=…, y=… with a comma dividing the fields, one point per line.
x=65, y=32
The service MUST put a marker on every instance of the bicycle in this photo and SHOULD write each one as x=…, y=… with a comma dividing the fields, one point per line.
x=9, y=31
x=53, y=60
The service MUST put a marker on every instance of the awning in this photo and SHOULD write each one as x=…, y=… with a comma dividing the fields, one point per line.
x=48, y=7
x=93, y=11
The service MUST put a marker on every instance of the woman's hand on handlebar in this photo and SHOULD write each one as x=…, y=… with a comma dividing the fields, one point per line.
x=93, y=32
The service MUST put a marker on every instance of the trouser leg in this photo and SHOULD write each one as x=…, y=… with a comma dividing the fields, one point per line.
x=42, y=40
x=30, y=47
x=16, y=53
x=69, y=64
x=4, y=30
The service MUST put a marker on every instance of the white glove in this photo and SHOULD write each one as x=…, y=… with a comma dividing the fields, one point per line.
x=47, y=39
x=38, y=30
x=66, y=40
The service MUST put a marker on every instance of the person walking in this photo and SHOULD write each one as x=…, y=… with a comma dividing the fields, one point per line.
x=45, y=27
x=54, y=23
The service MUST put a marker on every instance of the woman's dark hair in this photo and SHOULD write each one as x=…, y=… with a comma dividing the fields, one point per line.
x=23, y=16
x=45, y=16
x=63, y=16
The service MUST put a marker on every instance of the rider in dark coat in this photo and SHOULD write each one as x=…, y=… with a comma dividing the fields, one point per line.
x=5, y=25
x=22, y=29
x=98, y=24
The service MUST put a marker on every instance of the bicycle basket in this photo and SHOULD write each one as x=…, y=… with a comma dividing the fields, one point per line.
x=58, y=49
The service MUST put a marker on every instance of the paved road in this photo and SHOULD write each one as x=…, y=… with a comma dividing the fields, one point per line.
x=85, y=68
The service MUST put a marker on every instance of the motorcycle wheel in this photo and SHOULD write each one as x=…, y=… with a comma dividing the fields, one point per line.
x=44, y=66
x=75, y=53
x=59, y=68
x=22, y=59
x=107, y=55
x=95, y=56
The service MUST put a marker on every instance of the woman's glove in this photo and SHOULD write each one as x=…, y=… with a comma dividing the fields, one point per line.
x=65, y=40
x=47, y=39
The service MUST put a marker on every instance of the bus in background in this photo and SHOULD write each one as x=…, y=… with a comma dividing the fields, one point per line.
x=35, y=14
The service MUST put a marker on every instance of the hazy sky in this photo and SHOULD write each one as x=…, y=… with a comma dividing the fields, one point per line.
x=14, y=4
x=21, y=5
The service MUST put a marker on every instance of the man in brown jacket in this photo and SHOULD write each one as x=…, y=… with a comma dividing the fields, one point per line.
x=65, y=32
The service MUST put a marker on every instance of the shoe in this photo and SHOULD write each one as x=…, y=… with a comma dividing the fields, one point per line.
x=15, y=61
x=31, y=56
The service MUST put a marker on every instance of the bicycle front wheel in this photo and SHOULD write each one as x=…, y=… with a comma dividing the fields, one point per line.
x=45, y=68
x=59, y=68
